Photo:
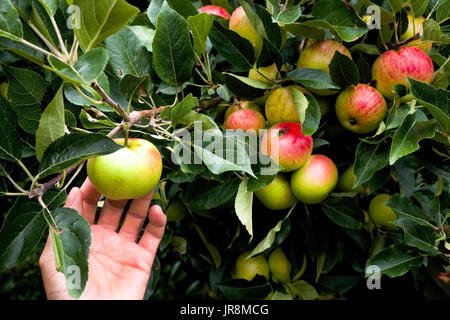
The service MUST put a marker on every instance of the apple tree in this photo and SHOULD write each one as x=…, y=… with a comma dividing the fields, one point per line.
x=365, y=81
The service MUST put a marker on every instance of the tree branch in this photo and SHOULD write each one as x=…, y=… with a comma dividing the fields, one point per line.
x=406, y=41
x=116, y=106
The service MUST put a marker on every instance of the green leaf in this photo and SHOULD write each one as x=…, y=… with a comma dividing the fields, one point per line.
x=50, y=6
x=432, y=32
x=101, y=19
x=173, y=55
x=235, y=49
x=215, y=196
x=338, y=17
x=200, y=25
x=240, y=289
x=301, y=103
x=312, y=117
x=396, y=116
x=284, y=15
x=73, y=148
x=343, y=70
x=342, y=212
x=268, y=55
x=304, y=290
x=145, y=35
x=312, y=79
x=394, y=262
x=183, y=7
x=128, y=54
x=193, y=118
x=418, y=232
x=74, y=237
x=87, y=69
x=254, y=19
x=51, y=125
x=153, y=10
x=366, y=48
x=302, y=30
x=10, y=25
x=419, y=7
x=407, y=136
x=369, y=159
x=89, y=122
x=24, y=227
x=183, y=108
x=246, y=88
x=215, y=254
x=26, y=87
x=272, y=29
x=10, y=143
x=134, y=86
x=436, y=101
x=243, y=206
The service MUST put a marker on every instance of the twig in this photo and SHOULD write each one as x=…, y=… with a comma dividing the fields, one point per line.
x=45, y=40
x=406, y=41
x=116, y=106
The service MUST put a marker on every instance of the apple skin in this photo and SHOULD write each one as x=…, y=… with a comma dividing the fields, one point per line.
x=277, y=195
x=319, y=55
x=393, y=66
x=129, y=173
x=215, y=10
x=279, y=265
x=176, y=211
x=315, y=180
x=347, y=179
x=245, y=119
x=324, y=105
x=381, y=214
x=418, y=24
x=293, y=147
x=248, y=268
x=242, y=105
x=360, y=108
x=270, y=73
x=240, y=24
x=4, y=90
x=280, y=105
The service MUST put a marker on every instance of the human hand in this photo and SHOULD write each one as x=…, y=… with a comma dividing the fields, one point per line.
x=119, y=268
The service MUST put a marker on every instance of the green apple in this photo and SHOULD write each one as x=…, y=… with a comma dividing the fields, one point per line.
x=360, y=108
x=176, y=210
x=280, y=267
x=241, y=24
x=395, y=66
x=315, y=180
x=425, y=46
x=286, y=144
x=277, y=195
x=248, y=268
x=346, y=181
x=324, y=105
x=129, y=173
x=4, y=90
x=381, y=214
x=280, y=105
x=265, y=73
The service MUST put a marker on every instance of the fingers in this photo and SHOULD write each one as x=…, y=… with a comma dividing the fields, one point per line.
x=135, y=217
x=75, y=200
x=154, y=230
x=90, y=200
x=111, y=213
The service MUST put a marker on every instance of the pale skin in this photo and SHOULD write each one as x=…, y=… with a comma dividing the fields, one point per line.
x=119, y=266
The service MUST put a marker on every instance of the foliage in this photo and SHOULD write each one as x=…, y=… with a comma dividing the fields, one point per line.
x=149, y=71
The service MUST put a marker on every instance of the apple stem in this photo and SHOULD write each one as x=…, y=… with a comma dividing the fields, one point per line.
x=406, y=41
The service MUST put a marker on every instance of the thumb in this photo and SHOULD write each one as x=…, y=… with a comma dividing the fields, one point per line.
x=75, y=200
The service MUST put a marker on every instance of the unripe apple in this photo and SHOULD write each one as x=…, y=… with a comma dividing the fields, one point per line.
x=347, y=179
x=393, y=66
x=381, y=214
x=4, y=90
x=277, y=195
x=360, y=108
x=279, y=265
x=280, y=105
x=324, y=105
x=176, y=210
x=315, y=180
x=268, y=73
x=240, y=24
x=319, y=55
x=242, y=105
x=245, y=119
x=418, y=25
x=215, y=10
x=248, y=268
x=129, y=173
x=287, y=146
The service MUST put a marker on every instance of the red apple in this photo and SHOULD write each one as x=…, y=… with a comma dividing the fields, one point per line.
x=215, y=10
x=315, y=180
x=360, y=108
x=240, y=24
x=129, y=173
x=393, y=66
x=245, y=119
x=242, y=105
x=287, y=146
